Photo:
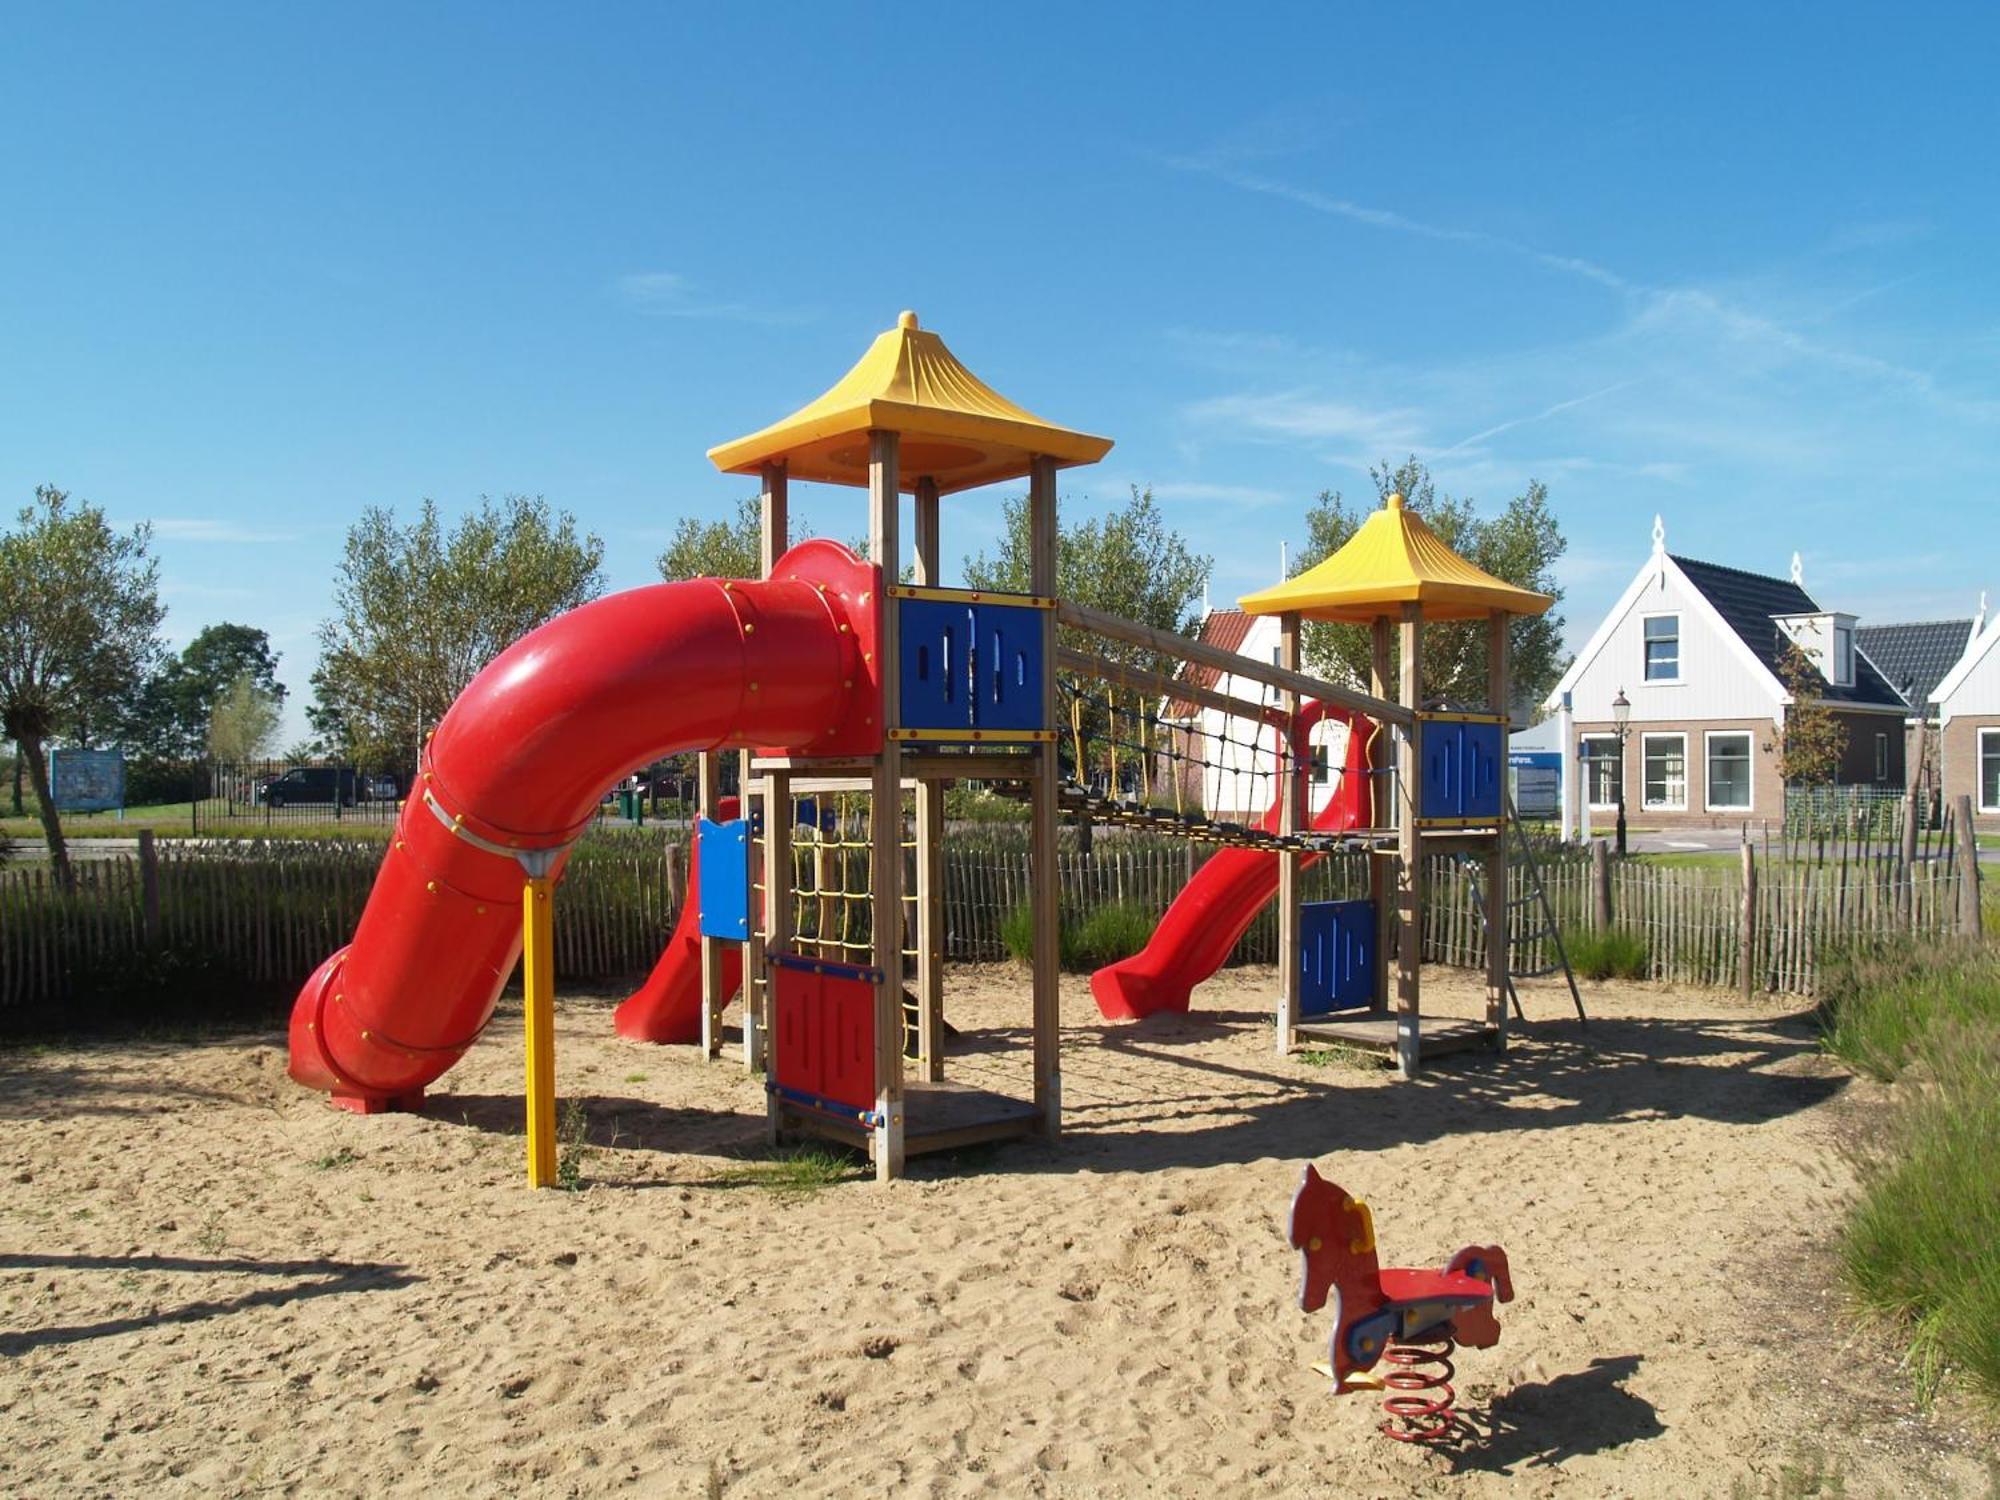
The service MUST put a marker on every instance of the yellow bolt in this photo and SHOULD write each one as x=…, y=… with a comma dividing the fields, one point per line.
x=749, y=628
x=479, y=911
x=364, y=1034
x=1313, y=1243
x=431, y=886
x=753, y=687
x=843, y=627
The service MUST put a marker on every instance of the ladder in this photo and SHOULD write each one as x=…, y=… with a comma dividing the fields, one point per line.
x=1519, y=847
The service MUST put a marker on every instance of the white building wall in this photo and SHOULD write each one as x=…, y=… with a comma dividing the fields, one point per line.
x=1978, y=692
x=1241, y=783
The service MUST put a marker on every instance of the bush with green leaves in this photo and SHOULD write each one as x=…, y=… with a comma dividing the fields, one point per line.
x=1612, y=954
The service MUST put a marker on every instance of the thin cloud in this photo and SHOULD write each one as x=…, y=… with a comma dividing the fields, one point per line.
x=1543, y=415
x=1224, y=494
x=668, y=294
x=212, y=529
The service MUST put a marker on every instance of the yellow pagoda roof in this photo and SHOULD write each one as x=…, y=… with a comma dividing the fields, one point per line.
x=1393, y=560
x=955, y=429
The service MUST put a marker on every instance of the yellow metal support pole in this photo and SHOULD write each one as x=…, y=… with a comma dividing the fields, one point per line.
x=538, y=978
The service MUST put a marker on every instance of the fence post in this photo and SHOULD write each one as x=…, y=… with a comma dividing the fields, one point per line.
x=1746, y=961
x=149, y=889
x=1968, y=869
x=1600, y=885
x=1905, y=900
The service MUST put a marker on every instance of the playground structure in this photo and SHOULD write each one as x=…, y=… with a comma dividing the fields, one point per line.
x=831, y=679
x=1413, y=1319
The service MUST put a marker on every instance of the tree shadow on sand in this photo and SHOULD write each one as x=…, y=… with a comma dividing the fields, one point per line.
x=309, y=1278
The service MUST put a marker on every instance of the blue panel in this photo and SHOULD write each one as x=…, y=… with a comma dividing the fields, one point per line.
x=934, y=638
x=1337, y=956
x=1440, y=753
x=1007, y=661
x=1482, y=762
x=724, y=851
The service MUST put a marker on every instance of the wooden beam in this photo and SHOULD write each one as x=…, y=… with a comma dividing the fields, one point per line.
x=1381, y=867
x=1045, y=902
x=1498, y=694
x=774, y=537
x=775, y=514
x=1183, y=648
x=886, y=820
x=1089, y=664
x=714, y=997
x=1294, y=811
x=779, y=920
x=930, y=838
x=1409, y=870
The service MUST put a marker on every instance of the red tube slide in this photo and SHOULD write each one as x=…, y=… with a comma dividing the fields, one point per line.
x=667, y=1007
x=1208, y=918
x=518, y=765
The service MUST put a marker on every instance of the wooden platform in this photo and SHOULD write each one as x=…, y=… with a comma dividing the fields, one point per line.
x=1437, y=1037
x=936, y=1117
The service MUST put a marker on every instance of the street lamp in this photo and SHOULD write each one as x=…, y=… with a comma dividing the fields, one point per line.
x=1621, y=720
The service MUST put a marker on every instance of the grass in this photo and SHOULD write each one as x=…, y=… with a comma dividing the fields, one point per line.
x=1340, y=1055
x=1615, y=954
x=1101, y=936
x=572, y=1144
x=1922, y=1247
x=793, y=1172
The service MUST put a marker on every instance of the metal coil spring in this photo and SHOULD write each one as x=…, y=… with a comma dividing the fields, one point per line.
x=1420, y=1410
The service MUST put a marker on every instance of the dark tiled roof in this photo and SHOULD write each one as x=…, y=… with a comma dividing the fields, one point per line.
x=1224, y=629
x=1748, y=601
x=1915, y=657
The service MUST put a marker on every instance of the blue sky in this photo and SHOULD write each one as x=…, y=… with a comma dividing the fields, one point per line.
x=267, y=265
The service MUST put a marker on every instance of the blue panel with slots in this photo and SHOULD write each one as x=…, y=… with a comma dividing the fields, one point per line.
x=724, y=851
x=1482, y=765
x=1462, y=763
x=1336, y=956
x=1438, y=756
x=1007, y=667
x=936, y=639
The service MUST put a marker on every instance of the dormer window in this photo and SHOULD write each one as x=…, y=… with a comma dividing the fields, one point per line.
x=1663, y=648
x=1843, y=656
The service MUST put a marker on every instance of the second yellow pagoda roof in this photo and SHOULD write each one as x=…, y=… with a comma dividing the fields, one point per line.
x=1393, y=560
x=955, y=429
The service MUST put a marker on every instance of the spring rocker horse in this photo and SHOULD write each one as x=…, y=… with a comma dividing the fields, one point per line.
x=1415, y=1319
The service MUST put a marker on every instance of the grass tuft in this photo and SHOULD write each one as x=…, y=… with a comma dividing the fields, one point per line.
x=572, y=1137
x=1102, y=936
x=795, y=1172
x=1615, y=954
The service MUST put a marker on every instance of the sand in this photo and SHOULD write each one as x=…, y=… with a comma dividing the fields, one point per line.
x=211, y=1283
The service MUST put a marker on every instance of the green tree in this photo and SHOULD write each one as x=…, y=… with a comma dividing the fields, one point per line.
x=83, y=613
x=173, y=713
x=418, y=610
x=243, y=721
x=1811, y=741
x=1128, y=563
x=731, y=548
x=1521, y=545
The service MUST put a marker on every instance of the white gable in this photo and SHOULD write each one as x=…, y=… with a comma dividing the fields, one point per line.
x=1973, y=686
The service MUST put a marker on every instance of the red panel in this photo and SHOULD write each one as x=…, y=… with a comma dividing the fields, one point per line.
x=823, y=1035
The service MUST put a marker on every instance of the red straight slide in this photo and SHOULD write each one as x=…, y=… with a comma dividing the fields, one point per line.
x=518, y=765
x=667, y=1007
x=1217, y=907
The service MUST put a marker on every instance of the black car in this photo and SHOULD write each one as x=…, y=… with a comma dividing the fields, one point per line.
x=311, y=784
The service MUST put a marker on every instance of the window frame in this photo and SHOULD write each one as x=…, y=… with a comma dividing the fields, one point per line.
x=1645, y=743
x=1881, y=756
x=1843, y=655
x=1979, y=754
x=1646, y=676
x=1708, y=739
x=1615, y=758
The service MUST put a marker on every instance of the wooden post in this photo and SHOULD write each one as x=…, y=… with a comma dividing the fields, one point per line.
x=1600, y=885
x=1498, y=925
x=149, y=889
x=1746, y=964
x=774, y=536
x=930, y=838
x=1968, y=869
x=1409, y=866
x=1045, y=899
x=779, y=920
x=886, y=816
x=1381, y=871
x=1907, y=875
x=708, y=796
x=538, y=1019
x=1294, y=811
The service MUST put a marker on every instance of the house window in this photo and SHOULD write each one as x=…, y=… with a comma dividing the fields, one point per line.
x=1989, y=770
x=1663, y=648
x=1881, y=757
x=1729, y=771
x=1843, y=661
x=1666, y=779
x=1602, y=770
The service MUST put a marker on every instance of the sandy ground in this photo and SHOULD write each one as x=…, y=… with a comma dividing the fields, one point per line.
x=212, y=1284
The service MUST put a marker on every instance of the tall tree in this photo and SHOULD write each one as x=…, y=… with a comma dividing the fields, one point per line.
x=1128, y=563
x=729, y=548
x=418, y=610
x=83, y=613
x=1811, y=741
x=1521, y=545
x=243, y=721
x=173, y=712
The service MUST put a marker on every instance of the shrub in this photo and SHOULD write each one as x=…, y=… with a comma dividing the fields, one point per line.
x=1878, y=1003
x=1106, y=935
x=1614, y=954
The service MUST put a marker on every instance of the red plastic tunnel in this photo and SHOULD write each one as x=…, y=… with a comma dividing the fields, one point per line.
x=519, y=765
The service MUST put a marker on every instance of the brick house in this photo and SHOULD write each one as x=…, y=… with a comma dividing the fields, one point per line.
x=1968, y=709
x=1228, y=762
x=1915, y=658
x=1695, y=649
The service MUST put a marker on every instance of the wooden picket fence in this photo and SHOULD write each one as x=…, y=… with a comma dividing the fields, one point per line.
x=267, y=913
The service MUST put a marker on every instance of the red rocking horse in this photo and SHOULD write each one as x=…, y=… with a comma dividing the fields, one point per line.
x=1381, y=1312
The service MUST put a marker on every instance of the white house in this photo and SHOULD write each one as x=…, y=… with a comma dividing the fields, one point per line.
x=1968, y=709
x=1694, y=648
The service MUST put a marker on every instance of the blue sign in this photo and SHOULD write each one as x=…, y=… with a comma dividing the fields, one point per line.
x=87, y=780
x=1537, y=777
